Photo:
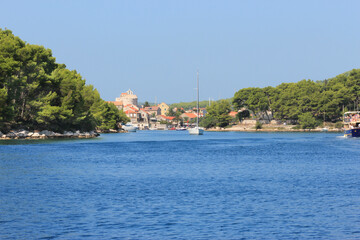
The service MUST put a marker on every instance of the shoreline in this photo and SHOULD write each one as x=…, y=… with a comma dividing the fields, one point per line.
x=45, y=134
x=271, y=129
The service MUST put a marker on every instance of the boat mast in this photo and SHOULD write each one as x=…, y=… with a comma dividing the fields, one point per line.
x=197, y=116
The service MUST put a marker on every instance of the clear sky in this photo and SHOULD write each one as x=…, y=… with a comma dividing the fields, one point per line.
x=155, y=47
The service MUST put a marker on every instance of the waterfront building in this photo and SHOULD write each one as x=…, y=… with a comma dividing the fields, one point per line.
x=165, y=118
x=164, y=108
x=128, y=97
x=188, y=116
x=119, y=105
x=153, y=111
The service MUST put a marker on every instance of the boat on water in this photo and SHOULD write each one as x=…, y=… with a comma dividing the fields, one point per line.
x=181, y=129
x=197, y=130
x=129, y=127
x=352, y=124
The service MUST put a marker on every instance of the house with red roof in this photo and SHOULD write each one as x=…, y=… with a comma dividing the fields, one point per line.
x=165, y=118
x=189, y=116
x=118, y=104
x=153, y=110
x=233, y=114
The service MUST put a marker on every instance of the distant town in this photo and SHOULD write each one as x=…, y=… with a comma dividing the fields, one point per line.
x=156, y=116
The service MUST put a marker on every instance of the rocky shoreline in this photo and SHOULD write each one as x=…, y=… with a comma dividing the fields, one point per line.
x=45, y=134
x=243, y=128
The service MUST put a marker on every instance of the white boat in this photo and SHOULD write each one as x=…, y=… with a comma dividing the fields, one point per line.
x=352, y=124
x=197, y=130
x=129, y=127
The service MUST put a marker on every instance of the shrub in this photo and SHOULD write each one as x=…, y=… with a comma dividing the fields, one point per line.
x=339, y=125
x=258, y=125
x=307, y=121
x=207, y=122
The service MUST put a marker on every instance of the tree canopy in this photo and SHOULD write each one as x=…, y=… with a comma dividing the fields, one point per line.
x=38, y=93
x=217, y=114
x=288, y=101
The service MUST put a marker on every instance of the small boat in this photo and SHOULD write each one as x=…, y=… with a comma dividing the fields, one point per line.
x=197, y=130
x=181, y=129
x=352, y=124
x=129, y=127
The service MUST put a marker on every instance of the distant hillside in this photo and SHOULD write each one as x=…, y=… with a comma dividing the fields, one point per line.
x=189, y=105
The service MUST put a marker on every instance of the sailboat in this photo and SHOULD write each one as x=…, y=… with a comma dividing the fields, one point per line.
x=197, y=130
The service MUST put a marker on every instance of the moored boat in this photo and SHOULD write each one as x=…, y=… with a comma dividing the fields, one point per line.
x=129, y=127
x=352, y=124
x=197, y=130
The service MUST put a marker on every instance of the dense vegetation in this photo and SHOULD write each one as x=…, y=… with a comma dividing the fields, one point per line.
x=38, y=93
x=191, y=105
x=217, y=115
x=305, y=100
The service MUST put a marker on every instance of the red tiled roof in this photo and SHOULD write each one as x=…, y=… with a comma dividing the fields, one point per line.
x=190, y=115
x=167, y=117
x=129, y=111
x=232, y=113
x=116, y=103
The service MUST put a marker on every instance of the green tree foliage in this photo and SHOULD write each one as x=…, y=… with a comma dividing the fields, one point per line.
x=176, y=114
x=253, y=99
x=220, y=112
x=258, y=125
x=290, y=100
x=146, y=104
x=242, y=115
x=170, y=112
x=307, y=121
x=38, y=93
x=208, y=121
x=191, y=105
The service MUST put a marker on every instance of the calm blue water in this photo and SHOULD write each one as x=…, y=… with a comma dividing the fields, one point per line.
x=170, y=185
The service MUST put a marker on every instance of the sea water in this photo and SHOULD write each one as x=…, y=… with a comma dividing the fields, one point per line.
x=171, y=185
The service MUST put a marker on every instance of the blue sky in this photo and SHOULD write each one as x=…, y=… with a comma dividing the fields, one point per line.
x=155, y=47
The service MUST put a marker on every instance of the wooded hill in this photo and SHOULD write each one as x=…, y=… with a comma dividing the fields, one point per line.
x=38, y=93
x=288, y=101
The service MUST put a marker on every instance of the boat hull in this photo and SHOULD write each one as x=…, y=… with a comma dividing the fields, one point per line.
x=352, y=132
x=196, y=131
x=129, y=128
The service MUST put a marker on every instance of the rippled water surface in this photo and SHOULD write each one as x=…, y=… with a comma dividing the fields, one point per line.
x=170, y=185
